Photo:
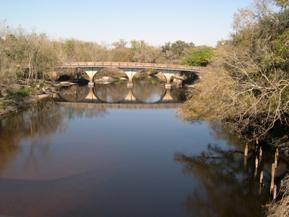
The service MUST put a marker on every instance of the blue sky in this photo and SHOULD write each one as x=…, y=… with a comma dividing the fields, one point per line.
x=155, y=21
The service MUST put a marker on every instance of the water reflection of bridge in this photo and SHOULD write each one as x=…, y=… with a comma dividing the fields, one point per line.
x=120, y=93
x=102, y=106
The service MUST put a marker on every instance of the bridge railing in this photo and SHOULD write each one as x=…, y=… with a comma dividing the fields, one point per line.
x=130, y=65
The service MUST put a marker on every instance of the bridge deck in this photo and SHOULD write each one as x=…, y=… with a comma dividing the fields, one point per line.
x=133, y=65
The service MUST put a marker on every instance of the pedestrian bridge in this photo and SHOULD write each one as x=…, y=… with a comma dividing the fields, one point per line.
x=130, y=69
x=133, y=66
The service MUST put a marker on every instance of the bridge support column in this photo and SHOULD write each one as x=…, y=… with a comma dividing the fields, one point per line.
x=168, y=77
x=130, y=75
x=90, y=95
x=130, y=96
x=167, y=96
x=91, y=75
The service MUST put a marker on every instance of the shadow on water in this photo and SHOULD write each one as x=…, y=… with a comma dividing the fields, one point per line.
x=230, y=190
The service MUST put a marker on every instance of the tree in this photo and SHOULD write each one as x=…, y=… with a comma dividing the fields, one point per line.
x=198, y=56
x=282, y=3
x=176, y=51
x=249, y=82
x=142, y=52
x=120, y=44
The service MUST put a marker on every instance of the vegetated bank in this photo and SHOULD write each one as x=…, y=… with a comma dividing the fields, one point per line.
x=247, y=86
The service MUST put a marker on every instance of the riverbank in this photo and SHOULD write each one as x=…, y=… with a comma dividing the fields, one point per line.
x=280, y=207
x=23, y=94
x=211, y=99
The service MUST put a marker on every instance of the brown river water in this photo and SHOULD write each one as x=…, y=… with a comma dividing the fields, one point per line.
x=106, y=152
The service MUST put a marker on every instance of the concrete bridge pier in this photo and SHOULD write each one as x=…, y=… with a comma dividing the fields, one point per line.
x=90, y=95
x=168, y=77
x=130, y=75
x=130, y=96
x=167, y=96
x=91, y=75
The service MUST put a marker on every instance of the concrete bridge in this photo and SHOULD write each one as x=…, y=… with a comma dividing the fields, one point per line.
x=131, y=68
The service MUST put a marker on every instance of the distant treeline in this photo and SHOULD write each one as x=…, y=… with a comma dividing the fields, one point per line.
x=33, y=54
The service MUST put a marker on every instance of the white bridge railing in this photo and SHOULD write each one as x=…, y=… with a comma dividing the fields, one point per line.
x=132, y=65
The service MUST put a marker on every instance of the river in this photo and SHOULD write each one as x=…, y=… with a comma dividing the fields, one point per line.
x=104, y=152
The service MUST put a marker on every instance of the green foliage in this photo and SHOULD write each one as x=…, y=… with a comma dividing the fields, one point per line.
x=281, y=50
x=152, y=71
x=19, y=94
x=179, y=47
x=2, y=105
x=199, y=56
x=176, y=51
x=153, y=80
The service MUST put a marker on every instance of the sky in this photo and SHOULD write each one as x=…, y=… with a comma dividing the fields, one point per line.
x=203, y=22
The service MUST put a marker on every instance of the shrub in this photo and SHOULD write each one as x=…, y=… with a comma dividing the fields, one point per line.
x=199, y=56
x=19, y=94
x=253, y=67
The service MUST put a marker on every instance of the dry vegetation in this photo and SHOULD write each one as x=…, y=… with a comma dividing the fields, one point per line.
x=248, y=82
x=33, y=55
x=280, y=208
x=247, y=86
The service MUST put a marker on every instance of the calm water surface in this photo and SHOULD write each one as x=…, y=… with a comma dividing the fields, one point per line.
x=73, y=159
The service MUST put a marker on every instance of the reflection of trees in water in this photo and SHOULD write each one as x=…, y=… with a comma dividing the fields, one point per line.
x=36, y=122
x=6, y=150
x=113, y=92
x=178, y=94
x=229, y=190
x=224, y=132
x=74, y=93
x=39, y=120
x=148, y=89
x=84, y=111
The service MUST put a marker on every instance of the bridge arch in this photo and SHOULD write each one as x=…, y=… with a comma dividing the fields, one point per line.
x=111, y=93
x=72, y=75
x=148, y=92
x=74, y=93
